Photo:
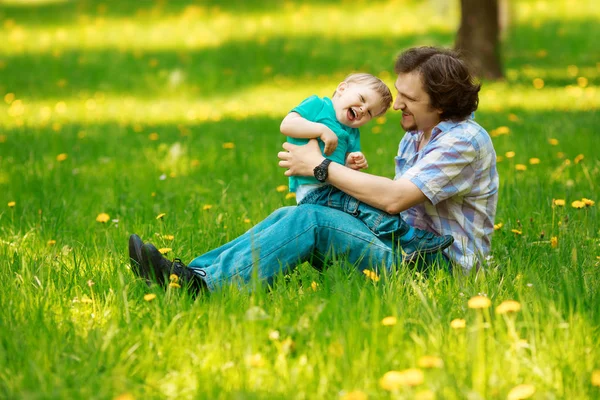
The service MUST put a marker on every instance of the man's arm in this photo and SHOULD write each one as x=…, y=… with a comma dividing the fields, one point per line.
x=385, y=194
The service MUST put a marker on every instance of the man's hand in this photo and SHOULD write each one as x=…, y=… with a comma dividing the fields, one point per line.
x=330, y=140
x=357, y=161
x=300, y=160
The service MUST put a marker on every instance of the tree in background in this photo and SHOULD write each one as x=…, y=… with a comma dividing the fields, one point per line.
x=478, y=37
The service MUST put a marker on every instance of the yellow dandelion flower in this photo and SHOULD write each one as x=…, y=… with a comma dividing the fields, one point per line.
x=153, y=136
x=247, y=220
x=596, y=377
x=174, y=285
x=521, y=167
x=9, y=98
x=425, y=395
x=498, y=226
x=502, y=130
x=290, y=195
x=554, y=242
x=164, y=250
x=51, y=242
x=389, y=321
x=86, y=300
x=103, y=217
x=558, y=202
x=11, y=204
x=62, y=157
x=376, y=129
x=534, y=161
x=516, y=231
x=520, y=392
x=207, y=207
x=582, y=81
x=499, y=158
x=458, y=323
x=572, y=70
x=2, y=138
x=125, y=396
x=168, y=237
x=477, y=302
x=578, y=204
x=381, y=120
x=149, y=296
x=541, y=53
x=229, y=145
x=282, y=188
x=538, y=83
x=173, y=278
x=430, y=362
x=579, y=158
x=371, y=275
x=394, y=380
x=508, y=306
x=513, y=117
x=509, y=154
x=314, y=285
x=161, y=216
x=553, y=142
x=588, y=202
x=354, y=395
x=256, y=360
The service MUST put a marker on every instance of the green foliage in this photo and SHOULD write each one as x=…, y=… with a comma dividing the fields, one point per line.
x=134, y=109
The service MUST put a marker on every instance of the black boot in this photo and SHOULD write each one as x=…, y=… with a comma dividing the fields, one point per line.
x=136, y=260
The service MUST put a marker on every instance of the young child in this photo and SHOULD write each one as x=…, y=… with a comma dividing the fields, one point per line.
x=335, y=122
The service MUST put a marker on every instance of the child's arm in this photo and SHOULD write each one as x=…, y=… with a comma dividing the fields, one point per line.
x=356, y=160
x=293, y=125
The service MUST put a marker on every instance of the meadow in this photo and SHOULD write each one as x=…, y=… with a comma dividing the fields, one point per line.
x=162, y=118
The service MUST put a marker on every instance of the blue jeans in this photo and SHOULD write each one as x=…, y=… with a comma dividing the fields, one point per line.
x=379, y=222
x=290, y=236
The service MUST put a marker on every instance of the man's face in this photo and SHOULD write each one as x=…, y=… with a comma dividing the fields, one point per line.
x=411, y=98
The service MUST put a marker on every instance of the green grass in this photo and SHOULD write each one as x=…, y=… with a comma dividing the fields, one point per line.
x=95, y=80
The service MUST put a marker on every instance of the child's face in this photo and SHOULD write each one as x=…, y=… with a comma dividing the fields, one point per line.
x=356, y=104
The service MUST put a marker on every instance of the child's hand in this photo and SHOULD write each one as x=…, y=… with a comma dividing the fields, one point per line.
x=357, y=161
x=330, y=139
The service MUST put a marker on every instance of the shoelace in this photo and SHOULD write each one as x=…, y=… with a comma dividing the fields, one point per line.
x=200, y=272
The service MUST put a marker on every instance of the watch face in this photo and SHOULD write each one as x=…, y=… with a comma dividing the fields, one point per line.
x=320, y=174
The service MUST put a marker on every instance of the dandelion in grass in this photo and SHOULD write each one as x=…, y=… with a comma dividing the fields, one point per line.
x=290, y=195
x=582, y=81
x=376, y=129
x=538, y=83
x=168, y=237
x=61, y=157
x=282, y=188
x=458, y=323
x=314, y=286
x=161, y=216
x=596, y=377
x=247, y=220
x=381, y=120
x=12, y=204
x=429, y=362
x=479, y=302
x=354, y=395
x=165, y=250
x=125, y=396
x=521, y=392
x=255, y=360
x=149, y=296
x=579, y=158
x=509, y=154
x=553, y=142
x=508, y=306
x=90, y=283
x=372, y=275
x=51, y=242
x=229, y=145
x=153, y=136
x=103, y=218
x=588, y=202
x=499, y=158
x=207, y=207
x=516, y=232
x=425, y=395
x=173, y=278
x=534, y=161
x=498, y=226
x=521, y=167
x=389, y=321
x=513, y=117
x=578, y=204
x=174, y=285
x=554, y=242
x=394, y=380
x=558, y=202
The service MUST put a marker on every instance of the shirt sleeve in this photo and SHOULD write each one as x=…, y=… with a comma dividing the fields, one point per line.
x=354, y=141
x=446, y=170
x=309, y=108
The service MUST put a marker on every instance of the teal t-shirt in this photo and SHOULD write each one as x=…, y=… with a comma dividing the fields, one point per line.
x=320, y=110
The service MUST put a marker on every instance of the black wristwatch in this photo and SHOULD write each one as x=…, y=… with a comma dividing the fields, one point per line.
x=321, y=171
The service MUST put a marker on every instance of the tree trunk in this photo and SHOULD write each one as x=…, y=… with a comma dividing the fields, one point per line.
x=478, y=37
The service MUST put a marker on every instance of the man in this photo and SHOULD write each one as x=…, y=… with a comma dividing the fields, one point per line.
x=446, y=182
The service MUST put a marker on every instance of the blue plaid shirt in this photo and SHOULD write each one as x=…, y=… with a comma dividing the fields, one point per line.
x=456, y=171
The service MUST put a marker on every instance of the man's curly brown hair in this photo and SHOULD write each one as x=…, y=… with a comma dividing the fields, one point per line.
x=446, y=79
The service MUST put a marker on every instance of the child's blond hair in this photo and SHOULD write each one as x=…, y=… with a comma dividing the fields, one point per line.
x=374, y=83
